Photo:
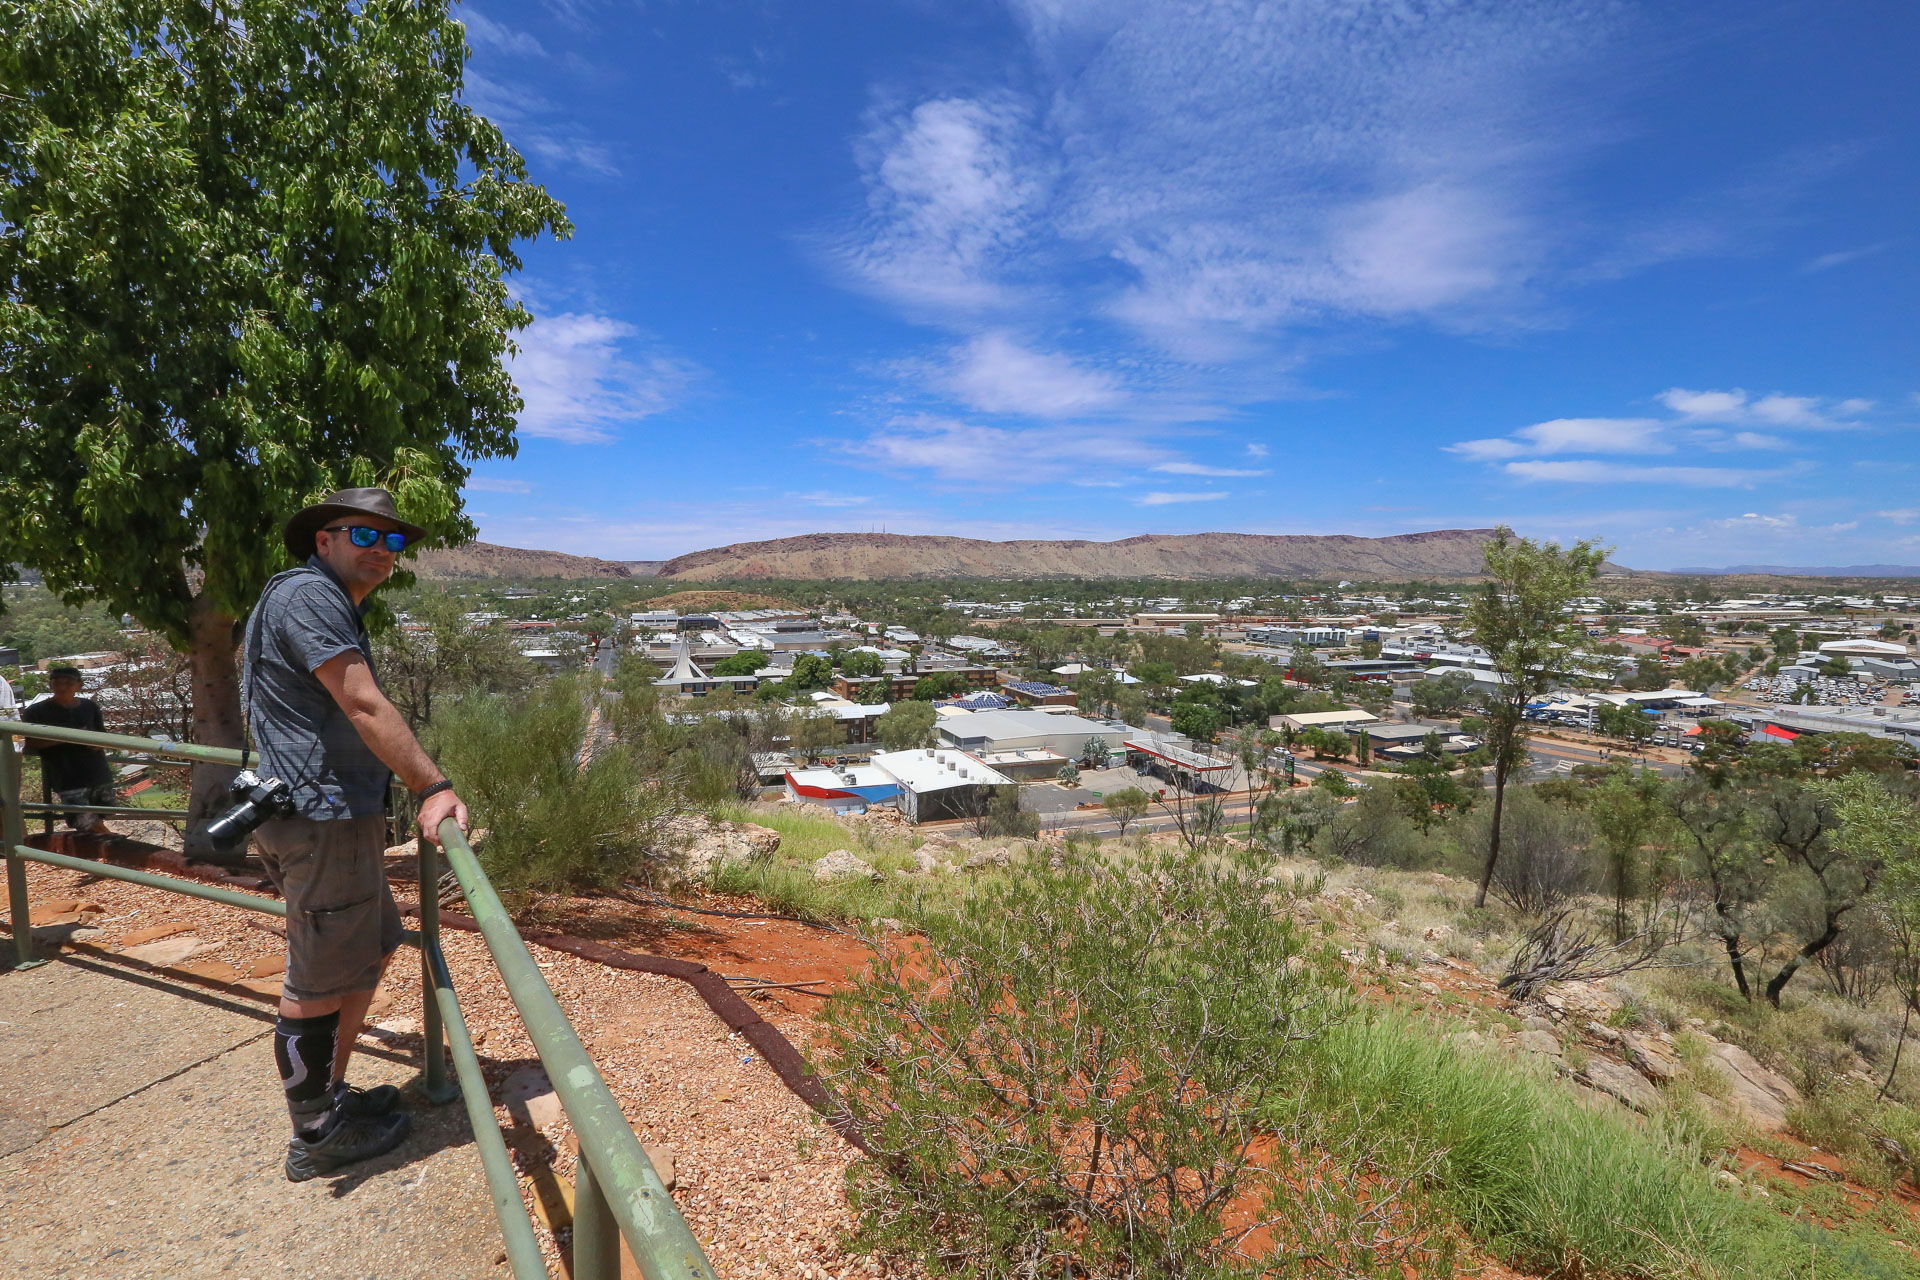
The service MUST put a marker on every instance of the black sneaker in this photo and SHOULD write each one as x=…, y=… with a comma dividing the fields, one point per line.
x=352, y=1138
x=351, y=1100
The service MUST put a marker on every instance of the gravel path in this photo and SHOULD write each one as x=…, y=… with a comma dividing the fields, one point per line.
x=760, y=1177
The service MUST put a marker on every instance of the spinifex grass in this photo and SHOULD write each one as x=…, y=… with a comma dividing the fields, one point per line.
x=1546, y=1181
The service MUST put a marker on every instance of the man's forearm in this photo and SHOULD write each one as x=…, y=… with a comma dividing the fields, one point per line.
x=387, y=736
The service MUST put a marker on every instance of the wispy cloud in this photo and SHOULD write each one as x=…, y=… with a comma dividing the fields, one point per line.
x=1158, y=499
x=826, y=498
x=1590, y=471
x=995, y=373
x=486, y=34
x=1900, y=515
x=950, y=192
x=1772, y=410
x=1201, y=469
x=1256, y=451
x=1240, y=167
x=536, y=126
x=582, y=378
x=496, y=484
x=1570, y=435
x=1828, y=261
x=959, y=452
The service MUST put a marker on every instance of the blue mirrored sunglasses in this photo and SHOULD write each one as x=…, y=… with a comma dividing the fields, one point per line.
x=362, y=536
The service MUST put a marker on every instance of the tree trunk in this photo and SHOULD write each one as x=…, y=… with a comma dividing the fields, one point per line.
x=216, y=703
x=1792, y=966
x=1731, y=940
x=1493, y=834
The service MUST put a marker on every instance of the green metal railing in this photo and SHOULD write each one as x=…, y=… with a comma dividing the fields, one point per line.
x=617, y=1194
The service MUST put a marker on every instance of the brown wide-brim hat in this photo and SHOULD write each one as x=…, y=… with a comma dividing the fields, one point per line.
x=343, y=503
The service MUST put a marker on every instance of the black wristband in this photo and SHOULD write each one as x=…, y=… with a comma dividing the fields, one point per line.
x=434, y=790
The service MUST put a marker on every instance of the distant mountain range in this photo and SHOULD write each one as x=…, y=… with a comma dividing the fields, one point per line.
x=1817, y=571
x=1444, y=553
x=484, y=560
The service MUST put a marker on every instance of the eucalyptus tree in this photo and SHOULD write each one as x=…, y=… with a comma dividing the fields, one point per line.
x=250, y=251
x=1518, y=616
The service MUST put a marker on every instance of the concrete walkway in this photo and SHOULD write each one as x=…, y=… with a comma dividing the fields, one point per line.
x=142, y=1132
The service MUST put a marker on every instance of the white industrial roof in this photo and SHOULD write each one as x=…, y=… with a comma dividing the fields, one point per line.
x=937, y=769
x=1866, y=648
x=1307, y=719
x=857, y=775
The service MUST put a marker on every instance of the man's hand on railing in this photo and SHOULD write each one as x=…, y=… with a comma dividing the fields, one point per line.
x=437, y=808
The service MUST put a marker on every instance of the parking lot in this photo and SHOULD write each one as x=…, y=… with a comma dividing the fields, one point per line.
x=1825, y=690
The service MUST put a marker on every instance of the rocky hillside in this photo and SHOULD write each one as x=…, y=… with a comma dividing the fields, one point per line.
x=485, y=560
x=1443, y=553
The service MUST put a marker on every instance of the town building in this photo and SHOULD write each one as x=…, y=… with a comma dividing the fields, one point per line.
x=1063, y=734
x=899, y=685
x=927, y=784
x=1299, y=720
x=1037, y=693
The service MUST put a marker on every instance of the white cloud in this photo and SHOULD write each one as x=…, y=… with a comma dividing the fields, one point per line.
x=1239, y=166
x=484, y=33
x=1200, y=469
x=825, y=498
x=1588, y=471
x=994, y=373
x=950, y=192
x=1757, y=440
x=1773, y=410
x=580, y=384
x=1158, y=499
x=493, y=484
x=1256, y=451
x=1570, y=435
x=1900, y=515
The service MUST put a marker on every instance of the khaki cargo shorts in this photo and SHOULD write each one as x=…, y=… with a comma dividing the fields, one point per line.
x=342, y=923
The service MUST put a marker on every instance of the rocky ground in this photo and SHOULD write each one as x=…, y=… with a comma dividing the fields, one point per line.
x=758, y=1176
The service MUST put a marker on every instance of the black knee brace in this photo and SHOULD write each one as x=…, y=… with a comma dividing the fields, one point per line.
x=303, y=1050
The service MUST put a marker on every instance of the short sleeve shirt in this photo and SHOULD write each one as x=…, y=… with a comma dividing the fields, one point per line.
x=68, y=766
x=304, y=619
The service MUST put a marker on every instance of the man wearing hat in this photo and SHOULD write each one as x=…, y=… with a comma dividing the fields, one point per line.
x=78, y=775
x=321, y=724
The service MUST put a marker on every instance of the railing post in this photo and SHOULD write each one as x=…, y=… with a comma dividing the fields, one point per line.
x=434, y=1085
x=596, y=1244
x=13, y=831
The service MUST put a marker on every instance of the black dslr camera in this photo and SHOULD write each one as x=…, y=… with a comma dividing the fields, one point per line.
x=255, y=800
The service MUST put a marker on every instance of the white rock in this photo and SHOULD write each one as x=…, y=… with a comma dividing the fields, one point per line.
x=1759, y=1094
x=843, y=864
x=1541, y=1042
x=167, y=951
x=1620, y=1083
x=698, y=846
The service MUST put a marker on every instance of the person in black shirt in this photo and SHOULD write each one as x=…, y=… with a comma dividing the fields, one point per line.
x=76, y=774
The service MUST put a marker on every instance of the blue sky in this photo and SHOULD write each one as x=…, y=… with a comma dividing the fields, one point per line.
x=1092, y=268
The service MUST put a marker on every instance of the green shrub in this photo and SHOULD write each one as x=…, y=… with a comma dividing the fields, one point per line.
x=1064, y=1081
x=553, y=823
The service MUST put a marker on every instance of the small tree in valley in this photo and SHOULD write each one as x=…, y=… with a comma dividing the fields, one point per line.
x=1518, y=617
